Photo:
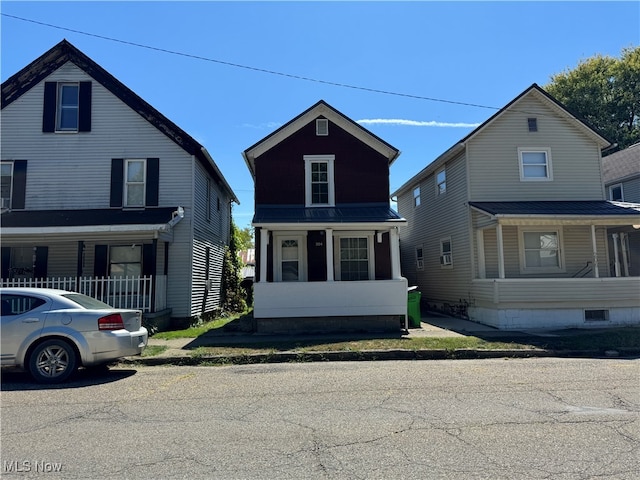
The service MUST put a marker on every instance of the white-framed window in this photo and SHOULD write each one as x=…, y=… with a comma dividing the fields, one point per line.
x=540, y=250
x=446, y=253
x=419, y=257
x=319, y=180
x=290, y=261
x=134, y=185
x=354, y=256
x=322, y=127
x=535, y=164
x=6, y=183
x=68, y=104
x=441, y=181
x=416, y=196
x=616, y=193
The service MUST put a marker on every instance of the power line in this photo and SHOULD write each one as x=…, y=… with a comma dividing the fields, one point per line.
x=247, y=67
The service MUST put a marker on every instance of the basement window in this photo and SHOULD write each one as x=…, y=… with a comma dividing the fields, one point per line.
x=596, y=315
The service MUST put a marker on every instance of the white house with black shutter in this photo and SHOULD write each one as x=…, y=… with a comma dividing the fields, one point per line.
x=103, y=194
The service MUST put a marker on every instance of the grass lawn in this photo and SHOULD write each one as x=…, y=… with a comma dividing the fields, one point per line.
x=584, y=340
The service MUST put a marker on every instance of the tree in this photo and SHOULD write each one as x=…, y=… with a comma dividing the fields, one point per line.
x=605, y=92
x=245, y=238
x=233, y=295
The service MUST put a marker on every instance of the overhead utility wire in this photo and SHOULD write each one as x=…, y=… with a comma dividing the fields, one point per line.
x=246, y=67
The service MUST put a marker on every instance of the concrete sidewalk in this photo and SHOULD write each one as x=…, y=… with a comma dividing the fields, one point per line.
x=432, y=325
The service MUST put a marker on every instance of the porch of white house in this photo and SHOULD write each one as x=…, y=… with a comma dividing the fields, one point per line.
x=145, y=293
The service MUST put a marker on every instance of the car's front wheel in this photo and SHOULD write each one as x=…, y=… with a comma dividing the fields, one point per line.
x=52, y=361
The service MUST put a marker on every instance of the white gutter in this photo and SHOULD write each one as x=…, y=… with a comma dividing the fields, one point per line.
x=303, y=226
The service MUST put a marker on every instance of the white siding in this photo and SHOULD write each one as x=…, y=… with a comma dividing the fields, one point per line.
x=494, y=170
x=73, y=171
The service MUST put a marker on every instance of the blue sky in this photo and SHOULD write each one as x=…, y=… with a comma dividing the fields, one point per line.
x=447, y=65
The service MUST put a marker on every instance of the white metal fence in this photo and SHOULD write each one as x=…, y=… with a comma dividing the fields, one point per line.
x=119, y=292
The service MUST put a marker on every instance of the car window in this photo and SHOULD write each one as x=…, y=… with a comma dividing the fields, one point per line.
x=19, y=304
x=87, y=302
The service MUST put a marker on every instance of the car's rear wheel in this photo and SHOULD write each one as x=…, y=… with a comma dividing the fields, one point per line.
x=52, y=361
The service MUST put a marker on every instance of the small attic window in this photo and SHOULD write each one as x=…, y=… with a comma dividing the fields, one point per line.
x=533, y=124
x=322, y=127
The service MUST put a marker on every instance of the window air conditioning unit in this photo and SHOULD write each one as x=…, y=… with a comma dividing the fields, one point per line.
x=445, y=259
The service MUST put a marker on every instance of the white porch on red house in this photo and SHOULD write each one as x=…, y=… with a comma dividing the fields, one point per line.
x=343, y=275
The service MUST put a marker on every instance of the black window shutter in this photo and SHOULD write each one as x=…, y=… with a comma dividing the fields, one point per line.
x=153, y=182
x=40, y=267
x=149, y=254
x=117, y=181
x=100, y=261
x=84, y=114
x=19, y=190
x=5, y=262
x=49, y=108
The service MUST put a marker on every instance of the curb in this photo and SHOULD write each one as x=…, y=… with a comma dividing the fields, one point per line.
x=371, y=355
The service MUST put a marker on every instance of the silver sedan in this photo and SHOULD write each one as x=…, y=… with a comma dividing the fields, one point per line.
x=51, y=333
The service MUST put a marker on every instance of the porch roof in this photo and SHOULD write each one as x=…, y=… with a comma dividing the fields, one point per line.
x=340, y=214
x=583, y=211
x=88, y=220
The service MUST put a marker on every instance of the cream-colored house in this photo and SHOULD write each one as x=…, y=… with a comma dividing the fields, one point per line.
x=509, y=226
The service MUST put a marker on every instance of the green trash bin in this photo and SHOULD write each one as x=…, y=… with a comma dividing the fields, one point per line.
x=413, y=307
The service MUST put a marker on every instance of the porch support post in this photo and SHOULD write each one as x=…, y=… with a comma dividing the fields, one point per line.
x=616, y=260
x=79, y=264
x=596, y=272
x=623, y=247
x=500, y=251
x=482, y=267
x=264, y=242
x=394, y=243
x=328, y=235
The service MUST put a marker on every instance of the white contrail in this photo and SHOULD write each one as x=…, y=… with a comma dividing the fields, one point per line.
x=413, y=123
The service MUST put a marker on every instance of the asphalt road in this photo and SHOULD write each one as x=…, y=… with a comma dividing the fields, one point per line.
x=470, y=419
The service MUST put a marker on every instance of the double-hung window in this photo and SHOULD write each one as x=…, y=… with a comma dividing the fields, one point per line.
x=354, y=256
x=6, y=182
x=68, y=107
x=446, y=253
x=416, y=196
x=319, y=186
x=135, y=183
x=419, y=257
x=535, y=164
x=540, y=251
x=441, y=182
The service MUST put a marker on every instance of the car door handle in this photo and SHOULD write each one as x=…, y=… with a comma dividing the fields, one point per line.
x=31, y=320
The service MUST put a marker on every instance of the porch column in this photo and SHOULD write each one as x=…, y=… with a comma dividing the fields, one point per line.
x=616, y=260
x=500, y=250
x=623, y=247
x=394, y=243
x=596, y=272
x=482, y=266
x=328, y=234
x=264, y=242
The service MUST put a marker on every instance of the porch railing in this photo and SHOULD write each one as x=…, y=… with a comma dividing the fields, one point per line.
x=120, y=292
